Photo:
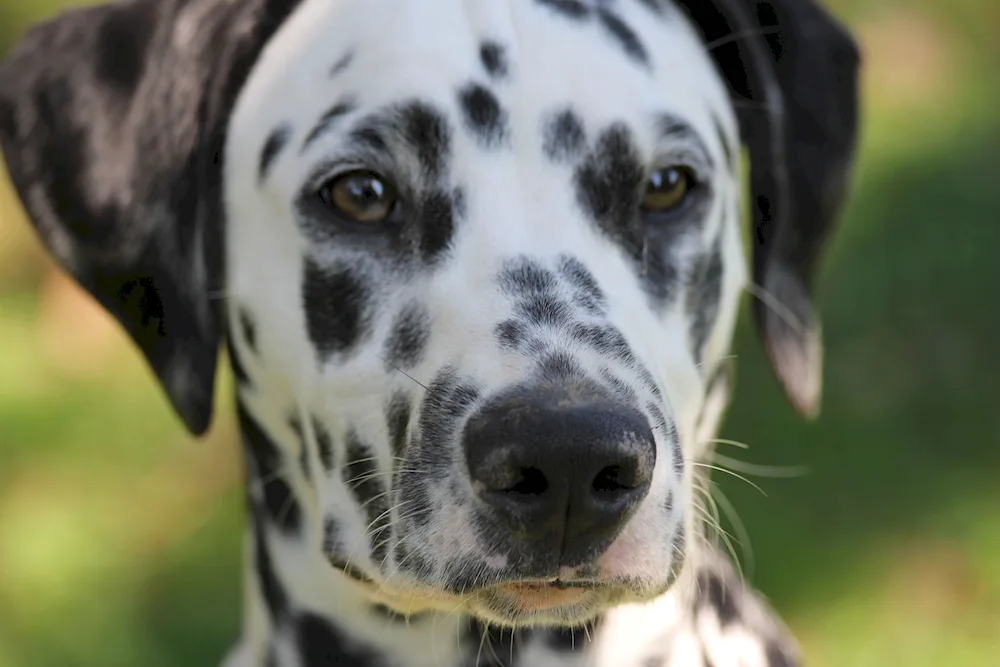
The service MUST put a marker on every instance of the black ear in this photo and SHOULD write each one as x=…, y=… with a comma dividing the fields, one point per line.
x=112, y=123
x=793, y=72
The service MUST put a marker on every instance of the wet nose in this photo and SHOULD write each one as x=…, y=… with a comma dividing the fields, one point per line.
x=553, y=460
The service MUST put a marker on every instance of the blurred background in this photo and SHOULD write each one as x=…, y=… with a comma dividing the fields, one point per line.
x=120, y=536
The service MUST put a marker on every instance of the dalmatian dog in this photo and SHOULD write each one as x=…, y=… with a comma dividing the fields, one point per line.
x=477, y=264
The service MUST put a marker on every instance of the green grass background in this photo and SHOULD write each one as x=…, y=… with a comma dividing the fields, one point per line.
x=120, y=536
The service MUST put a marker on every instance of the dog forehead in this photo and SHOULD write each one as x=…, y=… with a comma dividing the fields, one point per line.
x=608, y=62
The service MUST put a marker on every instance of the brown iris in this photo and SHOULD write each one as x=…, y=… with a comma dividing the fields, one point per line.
x=360, y=196
x=667, y=189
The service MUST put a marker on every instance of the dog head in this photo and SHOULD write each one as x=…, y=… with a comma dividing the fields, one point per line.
x=478, y=263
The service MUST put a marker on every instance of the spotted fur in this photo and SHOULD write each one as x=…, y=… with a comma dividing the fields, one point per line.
x=517, y=271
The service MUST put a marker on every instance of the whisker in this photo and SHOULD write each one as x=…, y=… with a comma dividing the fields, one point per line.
x=743, y=34
x=775, y=472
x=744, y=536
x=777, y=307
x=730, y=472
x=720, y=441
x=398, y=369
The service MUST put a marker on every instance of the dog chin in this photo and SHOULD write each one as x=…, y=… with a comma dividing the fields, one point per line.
x=520, y=605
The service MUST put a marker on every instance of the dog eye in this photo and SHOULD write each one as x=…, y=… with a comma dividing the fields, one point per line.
x=667, y=189
x=360, y=196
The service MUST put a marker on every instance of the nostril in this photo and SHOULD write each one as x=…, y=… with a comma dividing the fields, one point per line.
x=607, y=480
x=530, y=482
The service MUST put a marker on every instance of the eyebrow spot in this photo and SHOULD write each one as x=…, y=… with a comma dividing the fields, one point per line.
x=327, y=122
x=275, y=143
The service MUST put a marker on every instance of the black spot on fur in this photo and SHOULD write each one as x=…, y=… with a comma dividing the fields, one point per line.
x=484, y=116
x=342, y=64
x=272, y=657
x=777, y=657
x=608, y=185
x=295, y=424
x=573, y=9
x=679, y=543
x=704, y=293
x=397, y=417
x=523, y=277
x=324, y=443
x=494, y=59
x=363, y=477
x=249, y=328
x=605, y=340
x=436, y=220
x=426, y=131
x=320, y=645
x=563, y=136
x=370, y=136
x=336, y=304
x=275, y=597
x=720, y=597
x=619, y=387
x=587, y=293
x=275, y=143
x=660, y=422
x=123, y=38
x=559, y=366
x=489, y=646
x=727, y=148
x=543, y=310
x=447, y=400
x=510, y=334
x=268, y=469
x=656, y=6
x=331, y=529
x=410, y=331
x=624, y=35
x=239, y=370
x=564, y=640
x=327, y=122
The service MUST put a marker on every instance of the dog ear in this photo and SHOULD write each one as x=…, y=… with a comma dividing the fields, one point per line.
x=793, y=73
x=112, y=123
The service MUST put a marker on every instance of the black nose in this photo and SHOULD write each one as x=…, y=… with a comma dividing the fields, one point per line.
x=560, y=463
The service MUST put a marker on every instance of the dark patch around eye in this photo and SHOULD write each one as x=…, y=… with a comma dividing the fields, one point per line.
x=320, y=645
x=426, y=131
x=543, y=310
x=249, y=328
x=608, y=183
x=370, y=136
x=573, y=9
x=484, y=116
x=327, y=122
x=236, y=363
x=324, y=442
x=587, y=293
x=279, y=501
x=363, y=478
x=397, y=419
x=410, y=332
x=436, y=221
x=624, y=35
x=727, y=148
x=494, y=59
x=523, y=277
x=703, y=296
x=336, y=304
x=275, y=143
x=342, y=64
x=563, y=137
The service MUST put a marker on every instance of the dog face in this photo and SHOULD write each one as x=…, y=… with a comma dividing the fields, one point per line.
x=494, y=289
x=480, y=266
